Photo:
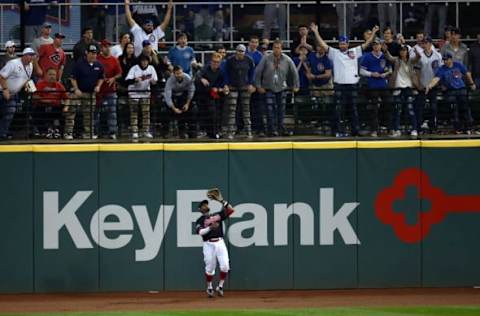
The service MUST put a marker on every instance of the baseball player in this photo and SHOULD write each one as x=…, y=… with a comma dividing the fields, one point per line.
x=209, y=226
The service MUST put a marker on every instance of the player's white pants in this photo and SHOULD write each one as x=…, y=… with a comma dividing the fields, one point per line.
x=213, y=251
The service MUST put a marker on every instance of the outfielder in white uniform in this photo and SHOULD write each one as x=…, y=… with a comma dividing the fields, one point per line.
x=209, y=226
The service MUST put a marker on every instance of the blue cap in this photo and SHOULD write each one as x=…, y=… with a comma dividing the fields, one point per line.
x=146, y=43
x=428, y=39
x=343, y=39
x=148, y=21
x=447, y=56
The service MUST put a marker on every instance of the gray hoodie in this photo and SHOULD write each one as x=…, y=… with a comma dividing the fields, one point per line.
x=174, y=87
x=276, y=80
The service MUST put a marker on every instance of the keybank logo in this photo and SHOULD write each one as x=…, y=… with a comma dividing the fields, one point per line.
x=153, y=229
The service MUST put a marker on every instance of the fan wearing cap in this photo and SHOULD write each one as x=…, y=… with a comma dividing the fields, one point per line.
x=139, y=79
x=87, y=78
x=183, y=55
x=51, y=56
x=147, y=31
x=150, y=53
x=374, y=66
x=34, y=18
x=108, y=95
x=452, y=75
x=13, y=78
x=345, y=65
x=239, y=74
x=9, y=53
x=44, y=37
x=209, y=90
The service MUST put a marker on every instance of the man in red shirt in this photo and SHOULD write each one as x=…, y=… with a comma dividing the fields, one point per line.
x=52, y=56
x=48, y=101
x=108, y=96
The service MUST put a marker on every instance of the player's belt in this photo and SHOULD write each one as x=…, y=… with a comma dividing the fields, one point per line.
x=214, y=239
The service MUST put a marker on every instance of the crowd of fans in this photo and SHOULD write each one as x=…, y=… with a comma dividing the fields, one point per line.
x=242, y=94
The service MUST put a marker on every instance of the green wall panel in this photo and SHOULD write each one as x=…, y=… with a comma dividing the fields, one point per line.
x=383, y=259
x=74, y=177
x=16, y=218
x=450, y=252
x=263, y=178
x=132, y=180
x=189, y=174
x=334, y=263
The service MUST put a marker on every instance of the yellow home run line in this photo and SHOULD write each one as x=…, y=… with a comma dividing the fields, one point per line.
x=241, y=146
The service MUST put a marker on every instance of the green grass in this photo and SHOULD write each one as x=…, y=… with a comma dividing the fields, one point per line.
x=357, y=311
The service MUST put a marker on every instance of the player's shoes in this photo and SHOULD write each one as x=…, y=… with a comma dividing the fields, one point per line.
x=219, y=290
x=210, y=292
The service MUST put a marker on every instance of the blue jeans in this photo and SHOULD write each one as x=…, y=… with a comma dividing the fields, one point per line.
x=8, y=110
x=275, y=102
x=420, y=105
x=404, y=101
x=346, y=95
x=109, y=105
x=458, y=101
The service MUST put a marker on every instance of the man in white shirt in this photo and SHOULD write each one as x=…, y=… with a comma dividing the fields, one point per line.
x=430, y=61
x=147, y=32
x=139, y=78
x=13, y=77
x=345, y=67
x=44, y=38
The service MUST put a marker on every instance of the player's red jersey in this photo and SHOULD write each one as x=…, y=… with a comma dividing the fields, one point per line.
x=51, y=57
x=50, y=93
x=111, y=68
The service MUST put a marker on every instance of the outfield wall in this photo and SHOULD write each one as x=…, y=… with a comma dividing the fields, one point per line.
x=77, y=218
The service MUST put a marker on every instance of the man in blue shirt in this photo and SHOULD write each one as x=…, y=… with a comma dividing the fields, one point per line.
x=87, y=78
x=452, y=76
x=257, y=106
x=183, y=55
x=374, y=67
x=321, y=72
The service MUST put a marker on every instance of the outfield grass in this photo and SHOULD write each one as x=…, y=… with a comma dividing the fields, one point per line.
x=359, y=311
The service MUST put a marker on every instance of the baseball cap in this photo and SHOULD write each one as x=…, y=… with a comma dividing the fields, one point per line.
x=241, y=48
x=92, y=49
x=9, y=44
x=202, y=203
x=447, y=56
x=376, y=40
x=28, y=51
x=46, y=25
x=59, y=35
x=343, y=39
x=105, y=42
x=146, y=43
x=147, y=21
x=428, y=39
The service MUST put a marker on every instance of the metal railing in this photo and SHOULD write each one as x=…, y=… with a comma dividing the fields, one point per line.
x=310, y=113
x=294, y=11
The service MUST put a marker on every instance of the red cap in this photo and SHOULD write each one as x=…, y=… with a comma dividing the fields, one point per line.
x=105, y=42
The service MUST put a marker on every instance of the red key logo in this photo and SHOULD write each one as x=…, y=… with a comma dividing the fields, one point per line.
x=441, y=205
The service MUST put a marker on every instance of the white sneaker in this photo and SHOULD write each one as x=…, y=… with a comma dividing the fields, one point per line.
x=396, y=133
x=148, y=135
x=374, y=134
x=67, y=136
x=414, y=133
x=219, y=290
x=210, y=292
x=134, y=135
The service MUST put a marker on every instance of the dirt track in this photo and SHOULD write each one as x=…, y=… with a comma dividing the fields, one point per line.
x=236, y=300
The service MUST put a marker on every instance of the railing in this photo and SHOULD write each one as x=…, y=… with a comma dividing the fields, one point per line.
x=353, y=17
x=309, y=113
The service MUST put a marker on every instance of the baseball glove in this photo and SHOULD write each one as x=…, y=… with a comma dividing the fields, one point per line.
x=215, y=194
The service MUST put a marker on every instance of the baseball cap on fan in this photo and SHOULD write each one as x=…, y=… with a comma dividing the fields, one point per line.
x=28, y=51
x=92, y=49
x=241, y=48
x=343, y=39
x=10, y=44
